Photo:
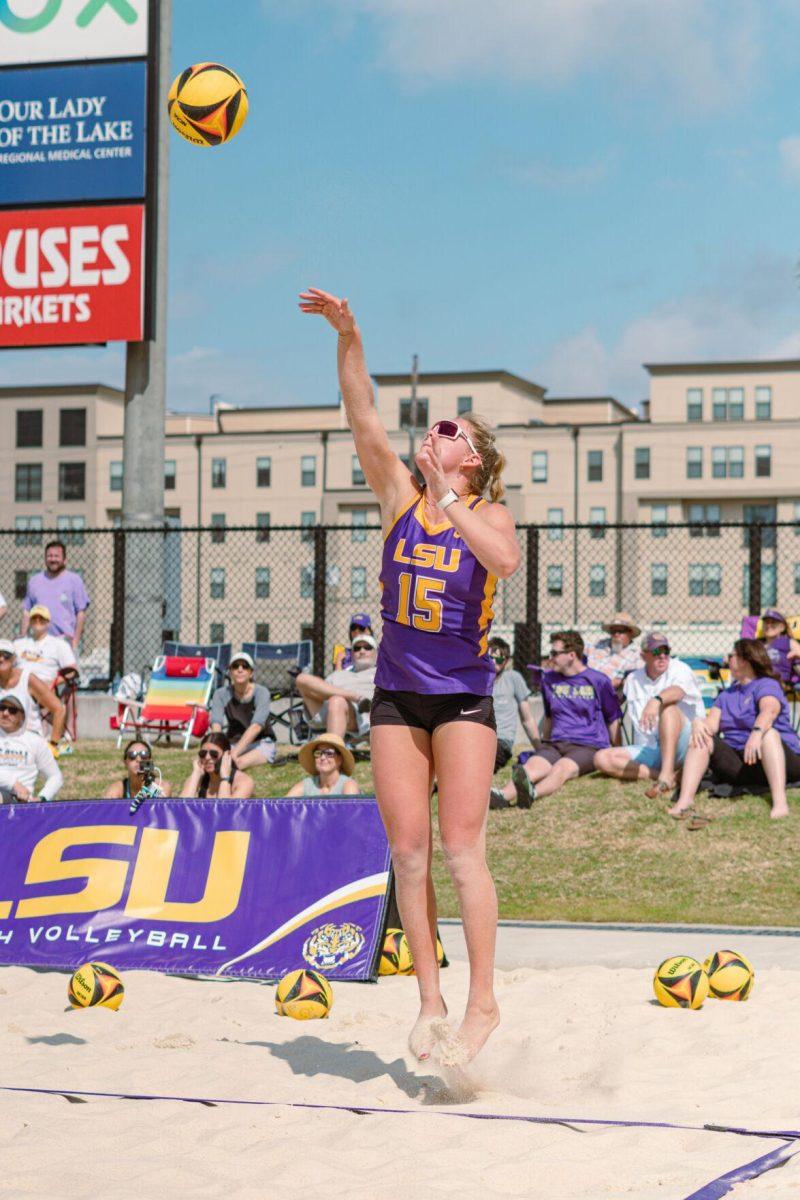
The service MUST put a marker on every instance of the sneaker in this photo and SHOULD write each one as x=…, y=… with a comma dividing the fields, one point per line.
x=497, y=799
x=526, y=792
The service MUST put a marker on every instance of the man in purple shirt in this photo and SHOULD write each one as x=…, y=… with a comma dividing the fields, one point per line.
x=581, y=716
x=62, y=592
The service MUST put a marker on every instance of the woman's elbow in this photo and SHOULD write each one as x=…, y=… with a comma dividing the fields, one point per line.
x=507, y=564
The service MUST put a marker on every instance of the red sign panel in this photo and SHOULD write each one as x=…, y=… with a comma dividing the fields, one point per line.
x=71, y=275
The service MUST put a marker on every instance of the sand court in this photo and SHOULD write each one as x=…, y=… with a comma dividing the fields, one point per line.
x=576, y=1042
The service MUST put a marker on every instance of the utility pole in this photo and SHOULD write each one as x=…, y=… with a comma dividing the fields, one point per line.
x=413, y=417
x=145, y=393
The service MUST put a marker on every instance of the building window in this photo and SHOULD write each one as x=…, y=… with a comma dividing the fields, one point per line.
x=358, y=523
x=115, y=477
x=356, y=474
x=597, y=580
x=306, y=582
x=555, y=524
x=262, y=585
x=29, y=428
x=727, y=462
x=641, y=466
x=308, y=520
x=72, y=481
x=694, y=462
x=218, y=527
x=763, y=403
x=594, y=465
x=216, y=632
x=422, y=414
x=539, y=466
x=765, y=515
x=28, y=531
x=219, y=472
x=769, y=585
x=727, y=404
x=705, y=579
x=308, y=471
x=262, y=631
x=71, y=530
x=555, y=581
x=694, y=404
x=170, y=473
x=28, y=481
x=263, y=472
x=72, y=427
x=262, y=527
x=464, y=405
x=658, y=520
x=763, y=461
x=21, y=584
x=597, y=522
x=658, y=579
x=703, y=520
x=358, y=583
x=217, y=583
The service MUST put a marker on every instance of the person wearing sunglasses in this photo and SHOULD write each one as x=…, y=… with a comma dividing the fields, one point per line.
x=329, y=765
x=214, y=775
x=138, y=759
x=360, y=623
x=241, y=709
x=663, y=699
x=24, y=756
x=17, y=679
x=446, y=545
x=339, y=703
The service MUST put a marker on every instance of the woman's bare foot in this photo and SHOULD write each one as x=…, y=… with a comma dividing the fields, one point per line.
x=460, y=1048
x=779, y=810
x=680, y=808
x=422, y=1038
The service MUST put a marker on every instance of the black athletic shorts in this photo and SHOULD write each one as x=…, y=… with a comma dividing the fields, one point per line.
x=429, y=712
x=502, y=754
x=582, y=756
x=728, y=766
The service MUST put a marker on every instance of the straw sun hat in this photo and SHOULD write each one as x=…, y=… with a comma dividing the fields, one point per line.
x=306, y=755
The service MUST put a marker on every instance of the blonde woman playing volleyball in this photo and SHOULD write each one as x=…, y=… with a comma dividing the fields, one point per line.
x=432, y=715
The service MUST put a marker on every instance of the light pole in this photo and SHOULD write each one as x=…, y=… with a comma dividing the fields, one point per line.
x=412, y=413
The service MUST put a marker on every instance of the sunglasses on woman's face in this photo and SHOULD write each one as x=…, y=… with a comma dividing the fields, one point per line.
x=142, y=755
x=5, y=656
x=451, y=431
x=9, y=708
x=212, y=754
x=324, y=753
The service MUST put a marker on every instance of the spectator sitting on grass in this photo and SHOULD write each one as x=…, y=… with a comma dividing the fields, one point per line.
x=782, y=648
x=511, y=703
x=137, y=757
x=241, y=709
x=343, y=655
x=616, y=655
x=328, y=765
x=23, y=757
x=582, y=716
x=339, y=704
x=663, y=701
x=215, y=774
x=747, y=736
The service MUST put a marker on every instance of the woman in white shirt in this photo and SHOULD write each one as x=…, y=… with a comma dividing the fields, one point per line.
x=23, y=757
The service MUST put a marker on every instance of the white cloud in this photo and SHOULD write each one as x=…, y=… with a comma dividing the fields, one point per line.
x=556, y=177
x=789, y=151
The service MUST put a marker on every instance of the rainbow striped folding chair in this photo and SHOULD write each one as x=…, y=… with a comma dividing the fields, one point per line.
x=177, y=701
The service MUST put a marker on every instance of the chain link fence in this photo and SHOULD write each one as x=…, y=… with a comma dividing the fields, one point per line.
x=282, y=584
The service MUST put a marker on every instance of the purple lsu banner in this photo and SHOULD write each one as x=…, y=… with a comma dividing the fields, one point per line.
x=215, y=887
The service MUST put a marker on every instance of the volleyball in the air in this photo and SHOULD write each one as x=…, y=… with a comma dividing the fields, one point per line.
x=680, y=983
x=95, y=985
x=730, y=975
x=207, y=104
x=303, y=995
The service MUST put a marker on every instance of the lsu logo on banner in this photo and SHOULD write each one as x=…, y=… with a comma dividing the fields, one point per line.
x=146, y=873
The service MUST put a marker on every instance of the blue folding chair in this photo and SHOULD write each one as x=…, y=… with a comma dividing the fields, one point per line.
x=277, y=664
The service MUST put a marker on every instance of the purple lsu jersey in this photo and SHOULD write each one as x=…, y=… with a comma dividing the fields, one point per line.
x=436, y=606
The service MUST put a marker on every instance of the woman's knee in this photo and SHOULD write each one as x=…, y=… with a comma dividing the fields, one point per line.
x=409, y=860
x=606, y=760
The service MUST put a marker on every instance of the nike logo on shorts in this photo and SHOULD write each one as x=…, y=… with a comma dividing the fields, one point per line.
x=469, y=712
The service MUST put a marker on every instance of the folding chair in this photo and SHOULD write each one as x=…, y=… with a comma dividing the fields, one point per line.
x=219, y=651
x=712, y=678
x=177, y=701
x=277, y=664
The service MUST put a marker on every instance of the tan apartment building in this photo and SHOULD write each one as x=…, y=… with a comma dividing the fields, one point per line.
x=715, y=442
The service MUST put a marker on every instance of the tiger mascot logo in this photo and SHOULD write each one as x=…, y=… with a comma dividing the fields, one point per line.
x=331, y=946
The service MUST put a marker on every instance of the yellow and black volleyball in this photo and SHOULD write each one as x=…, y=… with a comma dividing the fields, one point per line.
x=680, y=983
x=303, y=995
x=730, y=975
x=95, y=985
x=396, y=957
x=207, y=104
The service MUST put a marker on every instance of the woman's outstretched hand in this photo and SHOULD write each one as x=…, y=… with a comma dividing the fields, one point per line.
x=429, y=461
x=335, y=311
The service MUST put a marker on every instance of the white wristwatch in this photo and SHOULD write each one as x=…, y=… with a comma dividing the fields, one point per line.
x=449, y=498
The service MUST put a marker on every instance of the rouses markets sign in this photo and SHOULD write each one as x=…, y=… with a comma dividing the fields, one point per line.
x=71, y=275
x=39, y=31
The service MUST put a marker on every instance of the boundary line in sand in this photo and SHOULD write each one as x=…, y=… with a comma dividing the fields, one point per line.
x=625, y=927
x=713, y=1190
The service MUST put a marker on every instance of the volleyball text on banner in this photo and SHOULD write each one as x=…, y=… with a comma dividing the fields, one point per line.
x=217, y=887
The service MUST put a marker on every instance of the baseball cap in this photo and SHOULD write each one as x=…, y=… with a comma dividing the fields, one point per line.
x=361, y=619
x=772, y=614
x=365, y=638
x=244, y=657
x=13, y=700
x=40, y=610
x=653, y=641
x=7, y=646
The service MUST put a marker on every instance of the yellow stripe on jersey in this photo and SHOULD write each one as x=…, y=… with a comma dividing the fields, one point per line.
x=401, y=513
x=487, y=611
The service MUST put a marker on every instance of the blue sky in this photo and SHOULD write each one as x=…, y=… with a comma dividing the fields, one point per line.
x=561, y=188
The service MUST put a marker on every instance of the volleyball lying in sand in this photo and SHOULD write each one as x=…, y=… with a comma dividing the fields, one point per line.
x=730, y=975
x=680, y=983
x=303, y=995
x=207, y=104
x=95, y=984
x=396, y=957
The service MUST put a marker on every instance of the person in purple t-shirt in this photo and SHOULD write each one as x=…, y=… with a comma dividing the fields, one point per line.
x=747, y=735
x=581, y=716
x=62, y=592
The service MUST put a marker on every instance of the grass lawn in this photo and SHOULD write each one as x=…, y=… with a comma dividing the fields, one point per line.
x=598, y=851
